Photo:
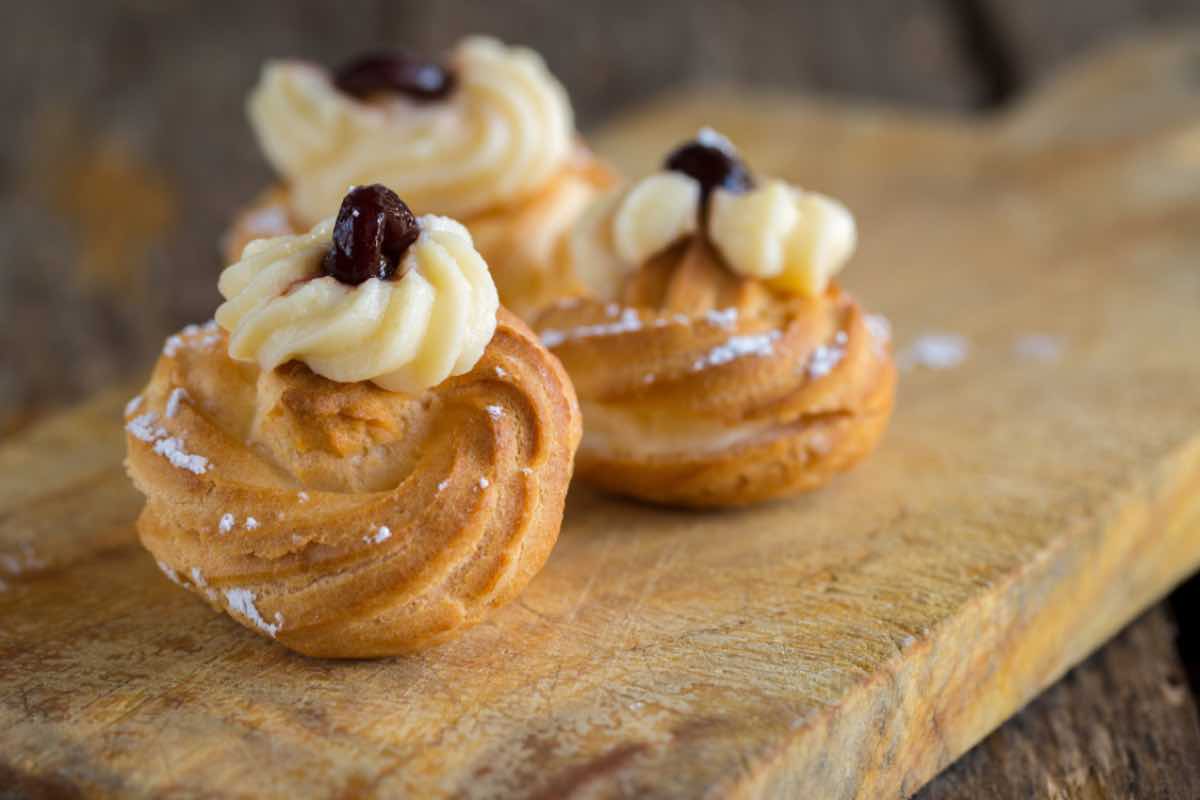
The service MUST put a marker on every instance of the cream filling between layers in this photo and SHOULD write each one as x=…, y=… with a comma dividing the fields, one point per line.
x=404, y=335
x=611, y=431
x=501, y=134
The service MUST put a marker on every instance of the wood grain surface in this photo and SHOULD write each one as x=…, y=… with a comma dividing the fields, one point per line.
x=1063, y=746
x=1022, y=509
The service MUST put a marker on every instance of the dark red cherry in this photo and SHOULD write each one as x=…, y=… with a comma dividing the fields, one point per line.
x=400, y=72
x=713, y=163
x=374, y=230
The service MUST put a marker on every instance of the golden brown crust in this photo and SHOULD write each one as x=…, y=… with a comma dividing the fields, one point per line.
x=521, y=242
x=700, y=388
x=381, y=523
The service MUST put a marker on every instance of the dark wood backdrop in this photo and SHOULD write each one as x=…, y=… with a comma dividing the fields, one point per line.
x=124, y=150
x=124, y=146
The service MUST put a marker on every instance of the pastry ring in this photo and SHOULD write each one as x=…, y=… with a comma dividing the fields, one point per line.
x=489, y=140
x=341, y=518
x=717, y=363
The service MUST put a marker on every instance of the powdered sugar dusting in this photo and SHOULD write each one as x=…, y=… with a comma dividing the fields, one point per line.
x=934, y=351
x=133, y=405
x=226, y=524
x=1038, y=347
x=627, y=323
x=250, y=524
x=23, y=561
x=210, y=329
x=880, y=328
x=819, y=442
x=756, y=344
x=172, y=449
x=144, y=427
x=242, y=602
x=212, y=334
x=501, y=372
x=674, y=319
x=441, y=487
x=724, y=318
x=494, y=411
x=302, y=497
x=381, y=534
x=178, y=395
x=199, y=582
x=827, y=356
x=171, y=574
x=567, y=302
x=484, y=483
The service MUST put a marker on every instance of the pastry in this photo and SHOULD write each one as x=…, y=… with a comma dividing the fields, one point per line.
x=489, y=140
x=717, y=363
x=363, y=454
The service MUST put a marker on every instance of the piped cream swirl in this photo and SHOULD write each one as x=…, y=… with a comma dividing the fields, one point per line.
x=404, y=335
x=792, y=239
x=795, y=240
x=500, y=135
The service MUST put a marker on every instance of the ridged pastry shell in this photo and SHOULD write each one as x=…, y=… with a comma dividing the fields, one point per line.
x=344, y=520
x=702, y=388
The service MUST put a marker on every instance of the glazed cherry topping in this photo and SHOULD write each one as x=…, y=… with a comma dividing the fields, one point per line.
x=395, y=72
x=374, y=230
x=713, y=163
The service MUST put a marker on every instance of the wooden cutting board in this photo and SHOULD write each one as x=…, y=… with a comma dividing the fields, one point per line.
x=1026, y=503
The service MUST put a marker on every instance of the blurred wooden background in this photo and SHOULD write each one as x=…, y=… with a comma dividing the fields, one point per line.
x=125, y=147
x=125, y=151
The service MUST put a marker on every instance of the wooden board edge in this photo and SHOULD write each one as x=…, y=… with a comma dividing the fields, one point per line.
x=1123, y=718
x=1150, y=538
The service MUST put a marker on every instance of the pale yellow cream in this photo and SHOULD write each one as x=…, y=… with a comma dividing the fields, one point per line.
x=499, y=136
x=794, y=240
x=405, y=335
x=654, y=214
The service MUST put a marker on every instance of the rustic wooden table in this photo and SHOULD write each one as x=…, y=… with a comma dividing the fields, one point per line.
x=124, y=161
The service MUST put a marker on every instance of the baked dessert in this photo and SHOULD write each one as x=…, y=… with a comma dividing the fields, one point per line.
x=716, y=361
x=364, y=453
x=488, y=139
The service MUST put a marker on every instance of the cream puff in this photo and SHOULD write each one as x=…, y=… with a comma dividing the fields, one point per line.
x=364, y=453
x=716, y=360
x=488, y=138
